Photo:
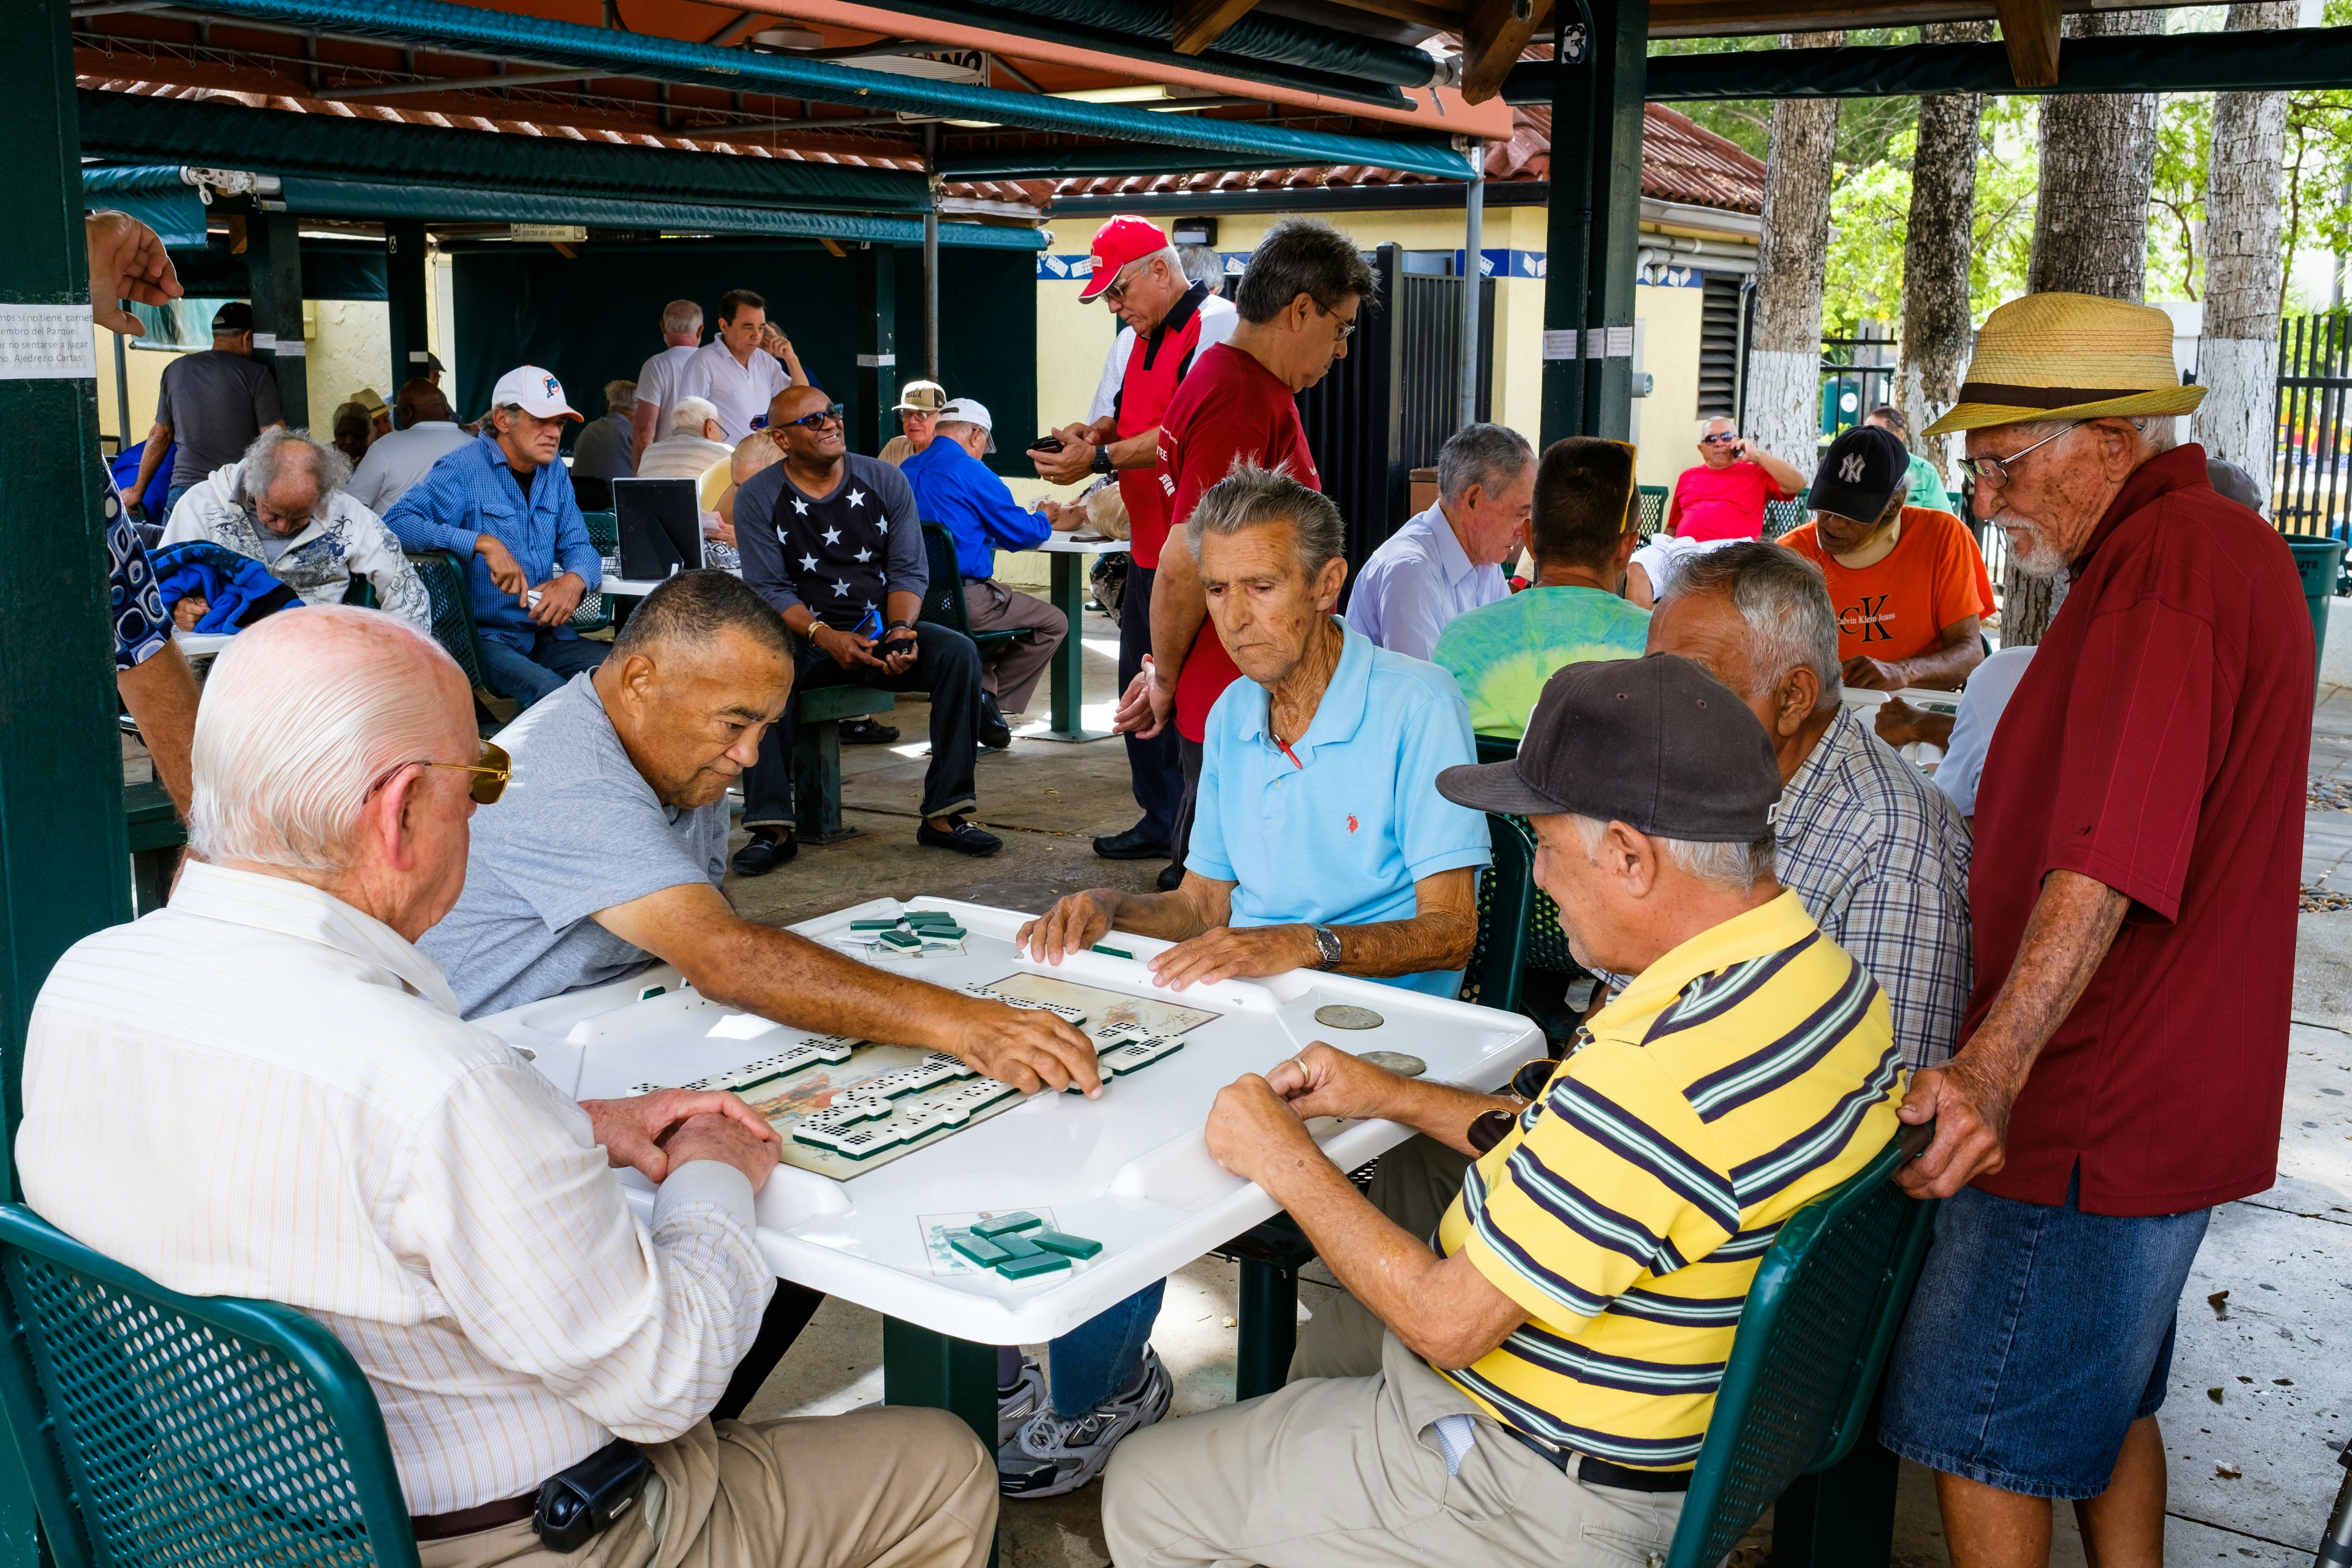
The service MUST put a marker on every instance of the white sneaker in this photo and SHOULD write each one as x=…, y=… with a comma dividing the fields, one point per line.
x=1052, y=1456
x=1016, y=1404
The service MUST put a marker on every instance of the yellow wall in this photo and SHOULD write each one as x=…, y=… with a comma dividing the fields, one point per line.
x=1664, y=420
x=347, y=343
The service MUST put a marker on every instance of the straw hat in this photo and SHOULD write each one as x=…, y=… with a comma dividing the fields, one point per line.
x=2069, y=356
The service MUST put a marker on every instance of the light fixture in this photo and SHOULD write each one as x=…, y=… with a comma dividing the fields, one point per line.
x=781, y=39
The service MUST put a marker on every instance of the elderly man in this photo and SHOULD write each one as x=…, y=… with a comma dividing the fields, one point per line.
x=2139, y=828
x=1923, y=486
x=1318, y=843
x=428, y=432
x=1581, y=533
x=917, y=409
x=1448, y=561
x=605, y=449
x=1298, y=304
x=1168, y=320
x=212, y=404
x=504, y=506
x=735, y=371
x=833, y=542
x=1530, y=1385
x=681, y=331
x=1909, y=585
x=955, y=490
x=1724, y=496
x=463, y=1231
x=285, y=504
x=691, y=450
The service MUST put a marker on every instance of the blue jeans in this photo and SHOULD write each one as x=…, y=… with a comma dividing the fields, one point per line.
x=1100, y=1357
x=554, y=657
x=172, y=499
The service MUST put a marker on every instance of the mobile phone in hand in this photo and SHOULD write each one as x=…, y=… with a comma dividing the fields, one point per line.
x=1047, y=445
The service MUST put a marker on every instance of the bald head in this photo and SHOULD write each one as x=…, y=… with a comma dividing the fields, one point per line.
x=808, y=447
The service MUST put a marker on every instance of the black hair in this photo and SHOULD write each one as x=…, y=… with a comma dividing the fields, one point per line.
x=1584, y=494
x=694, y=608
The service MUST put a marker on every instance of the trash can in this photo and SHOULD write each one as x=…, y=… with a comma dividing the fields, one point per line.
x=2319, y=560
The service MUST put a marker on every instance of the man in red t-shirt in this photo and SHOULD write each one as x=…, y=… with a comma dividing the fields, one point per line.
x=1724, y=497
x=1297, y=303
x=2138, y=845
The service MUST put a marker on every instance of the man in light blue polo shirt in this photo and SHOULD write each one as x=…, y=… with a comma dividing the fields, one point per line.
x=1448, y=561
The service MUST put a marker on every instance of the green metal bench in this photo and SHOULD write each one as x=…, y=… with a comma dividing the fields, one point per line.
x=162, y=1429
x=816, y=756
x=157, y=835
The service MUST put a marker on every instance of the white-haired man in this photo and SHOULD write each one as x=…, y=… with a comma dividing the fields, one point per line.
x=692, y=449
x=681, y=331
x=1724, y=497
x=1448, y=561
x=463, y=1231
x=2138, y=840
x=287, y=505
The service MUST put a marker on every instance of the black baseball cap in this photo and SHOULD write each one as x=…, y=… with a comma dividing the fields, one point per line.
x=237, y=316
x=1656, y=743
x=1860, y=474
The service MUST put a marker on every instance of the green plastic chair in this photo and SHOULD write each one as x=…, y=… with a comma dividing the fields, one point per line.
x=443, y=577
x=943, y=600
x=1654, y=509
x=1814, y=1338
x=604, y=531
x=1506, y=895
x=1781, y=516
x=158, y=1428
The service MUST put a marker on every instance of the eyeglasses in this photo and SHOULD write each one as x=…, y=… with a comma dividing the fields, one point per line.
x=492, y=775
x=822, y=417
x=1995, y=470
x=1346, y=327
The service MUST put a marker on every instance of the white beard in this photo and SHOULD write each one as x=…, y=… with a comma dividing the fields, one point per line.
x=2031, y=548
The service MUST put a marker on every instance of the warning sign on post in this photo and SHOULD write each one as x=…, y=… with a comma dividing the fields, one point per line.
x=47, y=343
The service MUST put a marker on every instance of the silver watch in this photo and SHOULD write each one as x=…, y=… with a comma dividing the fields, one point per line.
x=1327, y=941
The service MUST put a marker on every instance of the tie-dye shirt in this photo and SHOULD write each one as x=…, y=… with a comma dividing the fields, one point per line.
x=1501, y=654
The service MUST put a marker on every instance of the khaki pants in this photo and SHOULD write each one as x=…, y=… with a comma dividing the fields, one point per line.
x=1009, y=670
x=1416, y=1181
x=1349, y=1470
x=889, y=1489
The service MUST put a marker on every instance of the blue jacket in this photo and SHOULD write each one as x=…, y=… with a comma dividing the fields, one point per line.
x=956, y=490
x=237, y=591
x=472, y=492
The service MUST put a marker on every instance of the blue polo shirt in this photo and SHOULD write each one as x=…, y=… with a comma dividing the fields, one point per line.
x=472, y=492
x=956, y=490
x=1338, y=830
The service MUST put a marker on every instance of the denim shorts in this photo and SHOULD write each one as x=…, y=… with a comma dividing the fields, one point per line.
x=2039, y=1334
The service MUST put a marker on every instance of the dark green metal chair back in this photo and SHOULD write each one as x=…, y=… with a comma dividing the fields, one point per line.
x=943, y=600
x=604, y=531
x=1505, y=895
x=161, y=1429
x=1781, y=516
x=1813, y=1338
x=453, y=612
x=1653, y=509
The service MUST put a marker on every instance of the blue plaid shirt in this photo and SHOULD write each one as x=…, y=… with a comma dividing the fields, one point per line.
x=471, y=492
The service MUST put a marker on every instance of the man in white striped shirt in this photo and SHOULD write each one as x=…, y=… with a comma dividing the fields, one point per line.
x=265, y=1091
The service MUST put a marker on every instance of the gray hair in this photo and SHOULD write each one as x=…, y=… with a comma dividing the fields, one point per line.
x=1301, y=256
x=694, y=608
x=1488, y=455
x=1785, y=602
x=620, y=397
x=1252, y=497
x=688, y=414
x=1202, y=265
x=1709, y=421
x=1733, y=866
x=2157, y=432
x=681, y=317
x=264, y=462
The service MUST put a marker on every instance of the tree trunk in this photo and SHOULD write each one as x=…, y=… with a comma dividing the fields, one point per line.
x=1936, y=333
x=2237, y=359
x=2090, y=234
x=1784, y=356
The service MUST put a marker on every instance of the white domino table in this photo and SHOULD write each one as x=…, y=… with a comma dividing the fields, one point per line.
x=1130, y=1170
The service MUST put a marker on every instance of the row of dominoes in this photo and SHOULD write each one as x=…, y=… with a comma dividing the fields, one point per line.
x=822, y=1050
x=1074, y=1017
x=903, y=1124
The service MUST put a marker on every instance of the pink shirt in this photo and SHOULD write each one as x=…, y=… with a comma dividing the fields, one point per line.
x=1723, y=503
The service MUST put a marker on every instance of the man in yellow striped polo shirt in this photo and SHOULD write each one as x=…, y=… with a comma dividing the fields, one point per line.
x=1534, y=1389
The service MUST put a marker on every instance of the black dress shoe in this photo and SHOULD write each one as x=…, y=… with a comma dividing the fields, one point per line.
x=958, y=835
x=1171, y=878
x=993, y=732
x=866, y=732
x=765, y=853
x=1135, y=844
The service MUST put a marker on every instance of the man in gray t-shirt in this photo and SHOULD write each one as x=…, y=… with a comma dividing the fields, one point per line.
x=212, y=404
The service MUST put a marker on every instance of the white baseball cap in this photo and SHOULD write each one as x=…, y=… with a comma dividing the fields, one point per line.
x=971, y=411
x=535, y=390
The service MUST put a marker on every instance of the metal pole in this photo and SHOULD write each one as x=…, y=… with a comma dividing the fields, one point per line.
x=121, y=393
x=931, y=256
x=1474, y=223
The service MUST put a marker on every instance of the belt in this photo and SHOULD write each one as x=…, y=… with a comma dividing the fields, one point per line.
x=1595, y=1472
x=471, y=1520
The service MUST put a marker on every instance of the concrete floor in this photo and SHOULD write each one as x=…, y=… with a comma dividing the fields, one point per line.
x=2262, y=1387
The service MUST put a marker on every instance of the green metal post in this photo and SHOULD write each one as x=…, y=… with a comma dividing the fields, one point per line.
x=878, y=347
x=65, y=863
x=273, y=256
x=1594, y=216
x=922, y=1366
x=1269, y=1328
x=407, y=278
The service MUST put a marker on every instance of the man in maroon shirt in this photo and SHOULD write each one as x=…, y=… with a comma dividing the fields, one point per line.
x=1297, y=302
x=2138, y=836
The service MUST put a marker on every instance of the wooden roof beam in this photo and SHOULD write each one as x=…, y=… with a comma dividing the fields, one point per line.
x=1492, y=39
x=2029, y=33
x=1200, y=23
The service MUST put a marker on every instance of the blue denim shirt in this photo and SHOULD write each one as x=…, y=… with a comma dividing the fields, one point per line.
x=471, y=492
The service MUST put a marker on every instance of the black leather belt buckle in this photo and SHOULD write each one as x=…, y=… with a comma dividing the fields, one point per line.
x=577, y=1505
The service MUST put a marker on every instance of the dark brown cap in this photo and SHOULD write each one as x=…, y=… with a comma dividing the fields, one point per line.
x=1656, y=743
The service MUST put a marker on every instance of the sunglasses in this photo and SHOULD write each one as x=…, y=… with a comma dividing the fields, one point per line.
x=822, y=417
x=490, y=775
x=1720, y=438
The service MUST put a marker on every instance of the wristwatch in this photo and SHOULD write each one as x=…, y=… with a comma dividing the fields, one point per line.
x=1327, y=941
x=1102, y=459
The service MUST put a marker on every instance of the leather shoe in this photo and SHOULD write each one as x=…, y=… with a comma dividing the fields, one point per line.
x=993, y=731
x=1171, y=878
x=958, y=835
x=765, y=853
x=866, y=732
x=1135, y=844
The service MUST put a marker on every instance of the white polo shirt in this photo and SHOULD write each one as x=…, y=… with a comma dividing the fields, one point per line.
x=741, y=392
x=657, y=381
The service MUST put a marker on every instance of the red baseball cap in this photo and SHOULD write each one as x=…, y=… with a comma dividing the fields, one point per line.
x=1119, y=244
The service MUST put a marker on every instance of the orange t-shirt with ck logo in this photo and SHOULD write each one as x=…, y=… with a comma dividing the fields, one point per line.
x=1898, y=608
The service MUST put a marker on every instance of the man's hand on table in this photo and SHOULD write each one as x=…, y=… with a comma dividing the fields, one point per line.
x=1147, y=705
x=1899, y=725
x=846, y=650
x=1323, y=1080
x=658, y=1131
x=1231, y=952
x=559, y=597
x=1073, y=925
x=1027, y=1048
x=504, y=571
x=1872, y=674
x=1256, y=1134
x=1970, y=1102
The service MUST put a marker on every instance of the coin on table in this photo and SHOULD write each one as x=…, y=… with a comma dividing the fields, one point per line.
x=1397, y=1062
x=1339, y=1017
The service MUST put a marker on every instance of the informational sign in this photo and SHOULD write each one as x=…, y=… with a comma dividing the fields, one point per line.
x=47, y=343
x=558, y=233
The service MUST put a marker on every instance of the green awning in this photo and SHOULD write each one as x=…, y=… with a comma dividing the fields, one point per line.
x=154, y=194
